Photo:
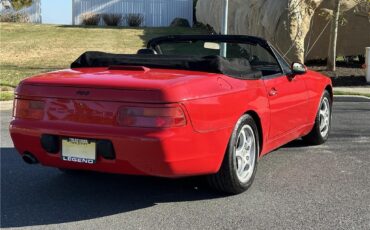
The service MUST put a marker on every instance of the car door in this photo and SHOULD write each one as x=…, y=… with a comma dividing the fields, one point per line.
x=286, y=93
x=288, y=103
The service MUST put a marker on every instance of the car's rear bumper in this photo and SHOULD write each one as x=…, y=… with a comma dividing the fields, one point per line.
x=175, y=152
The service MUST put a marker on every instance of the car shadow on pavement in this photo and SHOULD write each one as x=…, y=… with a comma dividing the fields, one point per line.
x=33, y=195
x=295, y=144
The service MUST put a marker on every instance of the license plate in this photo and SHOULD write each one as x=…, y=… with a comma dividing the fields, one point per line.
x=79, y=150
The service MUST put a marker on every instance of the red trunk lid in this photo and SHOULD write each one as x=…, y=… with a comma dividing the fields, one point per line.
x=120, y=84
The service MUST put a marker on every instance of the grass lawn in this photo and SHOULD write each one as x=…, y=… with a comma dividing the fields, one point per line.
x=29, y=49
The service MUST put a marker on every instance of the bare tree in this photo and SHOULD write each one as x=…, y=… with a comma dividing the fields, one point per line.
x=363, y=8
x=332, y=55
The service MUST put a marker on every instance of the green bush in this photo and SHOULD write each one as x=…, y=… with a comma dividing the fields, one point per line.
x=134, y=20
x=112, y=19
x=90, y=19
x=14, y=17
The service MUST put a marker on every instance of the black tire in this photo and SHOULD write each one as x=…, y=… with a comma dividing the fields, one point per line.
x=226, y=179
x=315, y=137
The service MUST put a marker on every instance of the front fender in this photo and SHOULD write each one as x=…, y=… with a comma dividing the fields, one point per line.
x=316, y=84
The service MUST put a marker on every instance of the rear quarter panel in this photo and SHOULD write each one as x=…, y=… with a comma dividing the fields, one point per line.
x=222, y=112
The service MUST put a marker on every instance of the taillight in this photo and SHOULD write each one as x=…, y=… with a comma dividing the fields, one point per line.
x=151, y=117
x=28, y=109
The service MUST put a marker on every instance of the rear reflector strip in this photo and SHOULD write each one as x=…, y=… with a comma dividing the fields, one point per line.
x=28, y=109
x=151, y=117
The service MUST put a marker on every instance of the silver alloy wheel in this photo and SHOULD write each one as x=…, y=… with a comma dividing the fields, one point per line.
x=245, y=153
x=324, y=117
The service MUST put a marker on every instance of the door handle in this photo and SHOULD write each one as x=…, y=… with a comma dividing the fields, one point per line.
x=273, y=92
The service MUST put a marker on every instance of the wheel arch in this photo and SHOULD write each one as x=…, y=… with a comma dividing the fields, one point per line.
x=257, y=119
x=329, y=88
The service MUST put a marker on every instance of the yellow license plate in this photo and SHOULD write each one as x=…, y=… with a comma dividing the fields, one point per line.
x=79, y=150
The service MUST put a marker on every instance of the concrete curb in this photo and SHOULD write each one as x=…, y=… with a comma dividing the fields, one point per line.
x=6, y=105
x=350, y=98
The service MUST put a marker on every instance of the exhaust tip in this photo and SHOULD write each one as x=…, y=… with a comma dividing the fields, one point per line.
x=29, y=158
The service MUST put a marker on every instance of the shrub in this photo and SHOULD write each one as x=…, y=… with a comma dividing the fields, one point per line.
x=134, y=20
x=90, y=19
x=14, y=17
x=180, y=22
x=112, y=19
x=19, y=4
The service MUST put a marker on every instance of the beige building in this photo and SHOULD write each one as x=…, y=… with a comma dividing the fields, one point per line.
x=299, y=29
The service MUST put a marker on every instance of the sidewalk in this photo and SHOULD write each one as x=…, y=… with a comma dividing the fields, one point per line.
x=357, y=89
x=353, y=90
x=6, y=105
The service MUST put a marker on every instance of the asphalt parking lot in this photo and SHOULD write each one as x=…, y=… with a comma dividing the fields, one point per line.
x=296, y=187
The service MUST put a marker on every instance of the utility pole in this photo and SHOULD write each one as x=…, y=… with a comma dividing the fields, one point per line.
x=367, y=64
x=332, y=55
x=224, y=28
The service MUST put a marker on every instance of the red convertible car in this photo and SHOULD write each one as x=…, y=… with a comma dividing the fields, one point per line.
x=186, y=105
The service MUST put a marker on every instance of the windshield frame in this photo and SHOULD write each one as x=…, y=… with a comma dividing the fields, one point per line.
x=155, y=43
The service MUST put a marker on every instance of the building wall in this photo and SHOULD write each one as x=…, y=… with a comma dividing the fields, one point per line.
x=292, y=26
x=157, y=13
x=33, y=12
x=353, y=36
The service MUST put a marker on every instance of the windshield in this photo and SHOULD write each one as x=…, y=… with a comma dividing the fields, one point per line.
x=259, y=57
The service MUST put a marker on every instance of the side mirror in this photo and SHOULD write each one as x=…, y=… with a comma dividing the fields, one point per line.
x=299, y=68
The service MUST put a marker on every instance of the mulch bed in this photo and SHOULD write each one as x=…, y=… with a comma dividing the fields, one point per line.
x=347, y=74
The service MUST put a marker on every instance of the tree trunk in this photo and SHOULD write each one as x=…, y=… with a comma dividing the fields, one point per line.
x=332, y=55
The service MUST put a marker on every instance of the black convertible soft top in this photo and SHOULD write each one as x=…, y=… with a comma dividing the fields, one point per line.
x=237, y=67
